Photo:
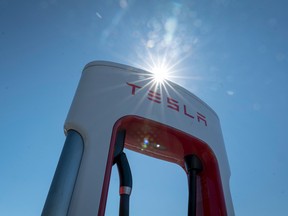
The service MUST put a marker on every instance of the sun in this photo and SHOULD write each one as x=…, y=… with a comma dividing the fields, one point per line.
x=161, y=69
x=160, y=73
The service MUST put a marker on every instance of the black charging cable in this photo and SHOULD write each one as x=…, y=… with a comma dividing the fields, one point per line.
x=193, y=167
x=124, y=171
x=125, y=183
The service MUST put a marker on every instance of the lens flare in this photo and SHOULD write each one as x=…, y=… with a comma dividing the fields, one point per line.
x=160, y=73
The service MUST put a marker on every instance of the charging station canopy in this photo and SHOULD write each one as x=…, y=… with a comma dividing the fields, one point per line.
x=164, y=121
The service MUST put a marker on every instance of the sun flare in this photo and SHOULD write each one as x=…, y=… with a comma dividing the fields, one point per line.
x=160, y=73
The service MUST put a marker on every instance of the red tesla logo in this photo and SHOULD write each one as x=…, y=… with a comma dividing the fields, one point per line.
x=171, y=103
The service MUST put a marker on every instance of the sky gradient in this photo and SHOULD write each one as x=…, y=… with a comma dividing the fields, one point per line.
x=231, y=54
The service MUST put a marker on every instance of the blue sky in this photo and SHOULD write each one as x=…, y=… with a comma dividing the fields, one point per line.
x=231, y=54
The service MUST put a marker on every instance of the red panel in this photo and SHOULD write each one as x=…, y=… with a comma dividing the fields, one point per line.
x=169, y=144
x=105, y=187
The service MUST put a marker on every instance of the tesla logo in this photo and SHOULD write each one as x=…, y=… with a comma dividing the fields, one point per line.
x=171, y=103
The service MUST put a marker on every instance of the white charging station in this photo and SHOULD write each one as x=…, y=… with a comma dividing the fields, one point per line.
x=164, y=121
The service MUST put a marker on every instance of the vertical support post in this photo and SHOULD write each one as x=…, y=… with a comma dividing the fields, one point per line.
x=193, y=166
x=62, y=186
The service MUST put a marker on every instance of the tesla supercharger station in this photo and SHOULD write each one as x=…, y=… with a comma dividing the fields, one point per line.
x=117, y=106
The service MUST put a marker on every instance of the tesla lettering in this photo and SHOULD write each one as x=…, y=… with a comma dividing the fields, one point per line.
x=171, y=103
